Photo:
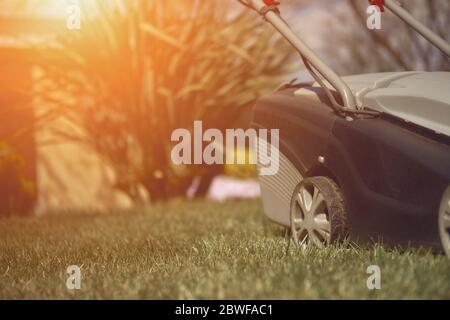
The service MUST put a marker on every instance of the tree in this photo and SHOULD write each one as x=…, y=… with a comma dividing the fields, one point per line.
x=353, y=48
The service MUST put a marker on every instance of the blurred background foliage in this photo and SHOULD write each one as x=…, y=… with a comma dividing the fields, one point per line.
x=137, y=70
x=354, y=49
x=21, y=190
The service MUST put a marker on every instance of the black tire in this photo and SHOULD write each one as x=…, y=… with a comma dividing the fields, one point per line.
x=444, y=221
x=332, y=206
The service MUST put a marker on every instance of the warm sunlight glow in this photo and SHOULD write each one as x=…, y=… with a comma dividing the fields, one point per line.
x=59, y=8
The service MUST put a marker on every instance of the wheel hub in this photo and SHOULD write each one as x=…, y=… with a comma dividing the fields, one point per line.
x=444, y=221
x=310, y=217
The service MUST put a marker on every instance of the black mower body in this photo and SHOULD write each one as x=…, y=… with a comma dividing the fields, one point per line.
x=392, y=173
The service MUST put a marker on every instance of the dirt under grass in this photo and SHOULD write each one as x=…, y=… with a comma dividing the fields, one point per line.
x=198, y=250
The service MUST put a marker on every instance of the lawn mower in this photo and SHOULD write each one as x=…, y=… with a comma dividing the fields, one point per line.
x=364, y=156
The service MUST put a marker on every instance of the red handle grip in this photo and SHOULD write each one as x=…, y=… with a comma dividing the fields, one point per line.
x=272, y=2
x=379, y=3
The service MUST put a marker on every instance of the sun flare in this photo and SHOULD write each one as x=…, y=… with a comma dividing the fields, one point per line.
x=59, y=9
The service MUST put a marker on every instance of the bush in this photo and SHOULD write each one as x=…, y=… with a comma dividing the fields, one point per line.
x=138, y=70
x=18, y=192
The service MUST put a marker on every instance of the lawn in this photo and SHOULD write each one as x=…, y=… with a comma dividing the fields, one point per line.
x=204, y=250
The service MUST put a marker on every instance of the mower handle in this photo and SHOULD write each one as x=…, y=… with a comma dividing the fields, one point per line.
x=267, y=8
x=427, y=33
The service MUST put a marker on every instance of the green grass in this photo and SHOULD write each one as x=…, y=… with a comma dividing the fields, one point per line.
x=198, y=250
